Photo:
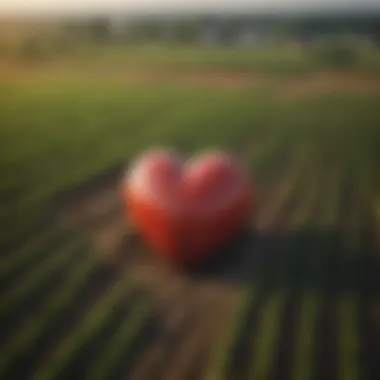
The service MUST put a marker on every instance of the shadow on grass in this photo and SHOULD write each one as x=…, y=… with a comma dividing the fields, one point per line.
x=296, y=266
x=305, y=258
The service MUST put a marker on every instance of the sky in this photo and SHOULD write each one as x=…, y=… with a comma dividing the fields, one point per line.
x=109, y=6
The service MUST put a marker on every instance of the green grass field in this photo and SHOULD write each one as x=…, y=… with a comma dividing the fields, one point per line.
x=310, y=289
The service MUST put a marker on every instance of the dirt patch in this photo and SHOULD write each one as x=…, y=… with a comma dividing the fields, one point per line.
x=13, y=73
x=288, y=88
x=200, y=78
x=328, y=82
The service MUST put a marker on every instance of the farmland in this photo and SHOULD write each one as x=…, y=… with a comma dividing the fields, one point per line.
x=297, y=296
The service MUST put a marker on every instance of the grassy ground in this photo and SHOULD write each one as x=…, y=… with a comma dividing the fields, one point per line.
x=81, y=298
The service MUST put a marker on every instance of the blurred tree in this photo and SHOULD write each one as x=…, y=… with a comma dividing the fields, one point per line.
x=229, y=27
x=337, y=52
x=131, y=31
x=100, y=30
x=74, y=31
x=187, y=31
x=230, y=30
x=152, y=30
x=143, y=30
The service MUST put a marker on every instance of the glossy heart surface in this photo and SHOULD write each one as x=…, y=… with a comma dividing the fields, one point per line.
x=186, y=211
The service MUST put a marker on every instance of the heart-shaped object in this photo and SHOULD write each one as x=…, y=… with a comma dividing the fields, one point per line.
x=187, y=210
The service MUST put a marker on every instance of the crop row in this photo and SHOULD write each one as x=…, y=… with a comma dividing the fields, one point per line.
x=30, y=253
x=50, y=315
x=38, y=278
x=121, y=344
x=75, y=267
x=309, y=195
x=306, y=344
x=285, y=191
x=220, y=364
x=266, y=338
x=116, y=303
x=317, y=258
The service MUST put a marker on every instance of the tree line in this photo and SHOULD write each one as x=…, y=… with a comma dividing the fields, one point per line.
x=190, y=29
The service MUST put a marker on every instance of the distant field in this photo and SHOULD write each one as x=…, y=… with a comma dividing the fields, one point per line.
x=282, y=59
x=81, y=296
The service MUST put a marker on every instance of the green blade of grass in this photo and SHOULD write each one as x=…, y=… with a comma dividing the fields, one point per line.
x=267, y=336
x=93, y=321
x=348, y=338
x=304, y=348
x=222, y=355
x=36, y=279
x=120, y=344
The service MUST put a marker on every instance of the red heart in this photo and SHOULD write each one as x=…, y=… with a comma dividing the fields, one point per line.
x=187, y=211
